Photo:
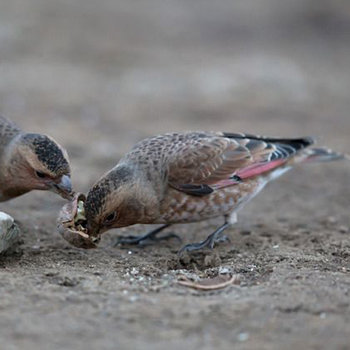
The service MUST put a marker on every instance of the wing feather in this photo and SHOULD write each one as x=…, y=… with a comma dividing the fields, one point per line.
x=211, y=159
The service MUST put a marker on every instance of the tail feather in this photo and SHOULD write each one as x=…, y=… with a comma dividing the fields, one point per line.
x=323, y=155
x=298, y=143
x=283, y=147
x=288, y=147
x=296, y=150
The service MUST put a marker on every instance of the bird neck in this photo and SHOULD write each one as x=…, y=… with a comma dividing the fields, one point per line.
x=152, y=177
x=142, y=191
x=13, y=173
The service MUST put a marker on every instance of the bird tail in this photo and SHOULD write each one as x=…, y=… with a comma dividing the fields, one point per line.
x=321, y=155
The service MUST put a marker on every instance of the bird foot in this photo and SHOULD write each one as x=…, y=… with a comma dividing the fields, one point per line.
x=223, y=239
x=207, y=243
x=145, y=239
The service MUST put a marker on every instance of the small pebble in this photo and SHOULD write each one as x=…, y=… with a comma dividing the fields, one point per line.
x=134, y=271
x=331, y=220
x=343, y=229
x=243, y=336
x=223, y=270
x=252, y=267
x=133, y=298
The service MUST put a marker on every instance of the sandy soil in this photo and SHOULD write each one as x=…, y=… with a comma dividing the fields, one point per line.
x=99, y=76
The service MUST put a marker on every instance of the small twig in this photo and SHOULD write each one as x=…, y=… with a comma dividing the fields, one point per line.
x=184, y=281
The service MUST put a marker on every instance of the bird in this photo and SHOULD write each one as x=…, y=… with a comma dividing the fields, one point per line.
x=31, y=161
x=189, y=177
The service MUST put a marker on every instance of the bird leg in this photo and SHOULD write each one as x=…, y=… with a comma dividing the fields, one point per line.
x=209, y=242
x=150, y=236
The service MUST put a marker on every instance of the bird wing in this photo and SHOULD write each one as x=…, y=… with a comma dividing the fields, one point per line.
x=7, y=125
x=201, y=162
x=8, y=130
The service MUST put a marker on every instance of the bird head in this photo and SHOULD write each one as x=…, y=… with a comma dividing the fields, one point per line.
x=38, y=162
x=120, y=198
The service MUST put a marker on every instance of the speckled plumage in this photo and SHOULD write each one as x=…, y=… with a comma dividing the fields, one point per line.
x=25, y=155
x=48, y=152
x=186, y=177
x=179, y=207
x=100, y=191
x=8, y=130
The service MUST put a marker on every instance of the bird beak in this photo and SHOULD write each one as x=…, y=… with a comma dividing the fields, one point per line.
x=63, y=188
x=92, y=231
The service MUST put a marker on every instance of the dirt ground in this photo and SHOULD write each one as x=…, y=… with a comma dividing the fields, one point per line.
x=99, y=76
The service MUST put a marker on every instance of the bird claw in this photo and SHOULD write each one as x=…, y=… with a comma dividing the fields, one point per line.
x=209, y=242
x=223, y=239
x=145, y=239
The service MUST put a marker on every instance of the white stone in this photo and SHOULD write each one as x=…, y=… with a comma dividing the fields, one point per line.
x=9, y=232
x=243, y=336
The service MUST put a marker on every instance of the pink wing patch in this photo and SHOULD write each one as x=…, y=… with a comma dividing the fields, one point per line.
x=258, y=169
x=224, y=183
x=250, y=171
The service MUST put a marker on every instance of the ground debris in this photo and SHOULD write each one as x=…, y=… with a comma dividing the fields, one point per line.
x=214, y=283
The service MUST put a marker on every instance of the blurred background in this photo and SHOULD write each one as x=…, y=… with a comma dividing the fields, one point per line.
x=100, y=75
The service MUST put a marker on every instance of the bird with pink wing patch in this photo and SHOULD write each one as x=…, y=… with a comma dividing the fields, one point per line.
x=188, y=177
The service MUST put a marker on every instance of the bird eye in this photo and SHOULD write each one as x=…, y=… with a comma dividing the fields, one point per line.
x=40, y=174
x=110, y=218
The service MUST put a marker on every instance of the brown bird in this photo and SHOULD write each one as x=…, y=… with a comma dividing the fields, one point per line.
x=31, y=162
x=188, y=177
